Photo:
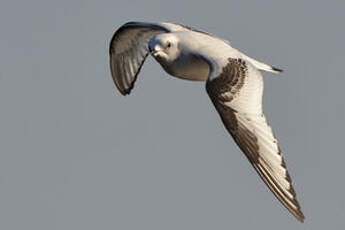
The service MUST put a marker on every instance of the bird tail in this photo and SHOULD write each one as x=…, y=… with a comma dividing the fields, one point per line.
x=262, y=66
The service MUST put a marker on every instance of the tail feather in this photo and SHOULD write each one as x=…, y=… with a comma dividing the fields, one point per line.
x=262, y=66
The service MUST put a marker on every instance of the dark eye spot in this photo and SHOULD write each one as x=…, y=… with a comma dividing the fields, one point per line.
x=168, y=44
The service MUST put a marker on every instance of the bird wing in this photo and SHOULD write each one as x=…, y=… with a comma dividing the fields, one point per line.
x=236, y=92
x=129, y=49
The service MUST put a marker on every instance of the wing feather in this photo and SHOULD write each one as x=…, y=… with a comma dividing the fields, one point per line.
x=128, y=51
x=241, y=113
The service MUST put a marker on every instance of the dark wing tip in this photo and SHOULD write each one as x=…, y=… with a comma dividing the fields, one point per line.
x=277, y=69
x=299, y=214
x=124, y=92
x=300, y=217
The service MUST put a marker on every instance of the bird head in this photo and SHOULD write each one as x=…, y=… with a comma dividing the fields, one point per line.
x=164, y=48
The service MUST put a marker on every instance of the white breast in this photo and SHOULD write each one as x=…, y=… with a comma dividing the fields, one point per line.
x=189, y=67
x=193, y=46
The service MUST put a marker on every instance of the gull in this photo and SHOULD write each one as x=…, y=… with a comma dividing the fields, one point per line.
x=233, y=82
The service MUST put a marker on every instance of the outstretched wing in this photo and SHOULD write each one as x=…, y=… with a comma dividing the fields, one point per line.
x=237, y=95
x=128, y=51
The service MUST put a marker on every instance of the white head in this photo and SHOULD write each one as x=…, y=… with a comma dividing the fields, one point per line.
x=164, y=48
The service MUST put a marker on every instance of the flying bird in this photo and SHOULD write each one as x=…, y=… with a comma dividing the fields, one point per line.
x=233, y=82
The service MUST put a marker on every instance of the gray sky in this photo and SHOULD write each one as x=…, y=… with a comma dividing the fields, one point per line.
x=75, y=154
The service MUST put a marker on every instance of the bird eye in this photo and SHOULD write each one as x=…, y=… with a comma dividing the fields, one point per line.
x=168, y=44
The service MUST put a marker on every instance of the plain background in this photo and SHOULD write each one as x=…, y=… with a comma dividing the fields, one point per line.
x=76, y=154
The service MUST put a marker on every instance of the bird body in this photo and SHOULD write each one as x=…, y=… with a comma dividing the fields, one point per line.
x=194, y=52
x=233, y=82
